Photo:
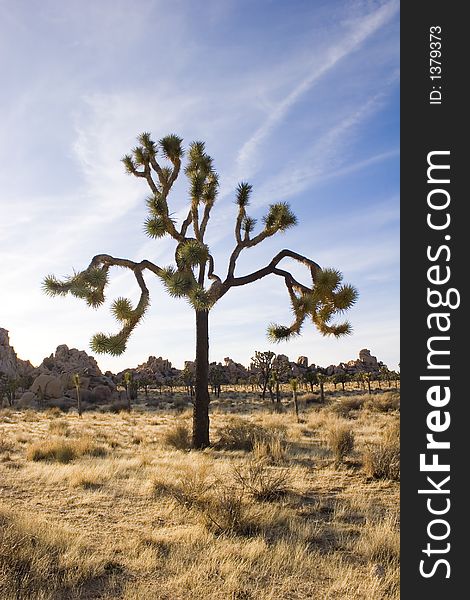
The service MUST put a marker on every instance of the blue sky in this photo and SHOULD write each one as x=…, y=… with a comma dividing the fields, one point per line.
x=300, y=98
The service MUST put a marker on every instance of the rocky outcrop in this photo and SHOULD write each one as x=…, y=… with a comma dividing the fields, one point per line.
x=10, y=364
x=234, y=372
x=68, y=361
x=47, y=386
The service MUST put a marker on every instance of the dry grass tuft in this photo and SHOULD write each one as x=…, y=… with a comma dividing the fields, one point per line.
x=382, y=460
x=262, y=482
x=385, y=402
x=344, y=405
x=178, y=437
x=59, y=427
x=43, y=562
x=380, y=541
x=272, y=449
x=64, y=451
x=340, y=440
x=240, y=434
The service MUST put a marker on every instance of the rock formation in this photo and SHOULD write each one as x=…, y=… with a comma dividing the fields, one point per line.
x=10, y=364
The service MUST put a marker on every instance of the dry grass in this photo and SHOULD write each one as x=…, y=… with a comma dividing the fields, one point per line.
x=340, y=440
x=262, y=482
x=264, y=514
x=64, y=451
x=178, y=437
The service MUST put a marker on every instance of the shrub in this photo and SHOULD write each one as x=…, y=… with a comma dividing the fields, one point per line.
x=53, y=412
x=344, y=405
x=5, y=445
x=340, y=440
x=240, y=434
x=261, y=482
x=386, y=402
x=272, y=449
x=178, y=437
x=224, y=513
x=382, y=461
x=59, y=427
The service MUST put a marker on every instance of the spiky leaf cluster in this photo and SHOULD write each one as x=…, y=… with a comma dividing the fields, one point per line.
x=243, y=192
x=172, y=148
x=145, y=152
x=200, y=299
x=156, y=226
x=327, y=298
x=88, y=285
x=279, y=218
x=191, y=253
x=203, y=179
x=178, y=283
x=115, y=344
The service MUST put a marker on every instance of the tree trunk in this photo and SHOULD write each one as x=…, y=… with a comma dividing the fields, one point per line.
x=296, y=404
x=322, y=393
x=201, y=401
x=79, y=402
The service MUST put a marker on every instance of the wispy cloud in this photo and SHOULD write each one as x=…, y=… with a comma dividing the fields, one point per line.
x=359, y=31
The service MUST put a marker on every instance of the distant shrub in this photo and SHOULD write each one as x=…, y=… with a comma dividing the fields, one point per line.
x=178, y=437
x=340, y=440
x=53, y=412
x=343, y=406
x=386, y=402
x=59, y=427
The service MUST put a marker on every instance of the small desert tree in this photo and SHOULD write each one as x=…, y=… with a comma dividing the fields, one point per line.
x=194, y=276
x=76, y=382
x=263, y=363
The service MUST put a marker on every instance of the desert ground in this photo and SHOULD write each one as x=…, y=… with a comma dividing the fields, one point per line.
x=116, y=506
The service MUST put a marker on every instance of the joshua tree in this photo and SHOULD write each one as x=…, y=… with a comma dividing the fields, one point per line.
x=76, y=383
x=322, y=379
x=294, y=386
x=195, y=276
x=127, y=380
x=263, y=363
x=310, y=377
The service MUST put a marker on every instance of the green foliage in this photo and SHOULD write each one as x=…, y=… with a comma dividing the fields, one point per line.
x=248, y=224
x=171, y=147
x=327, y=298
x=122, y=309
x=192, y=253
x=114, y=345
x=156, y=204
x=279, y=217
x=155, y=227
x=179, y=283
x=280, y=333
x=243, y=194
x=200, y=299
